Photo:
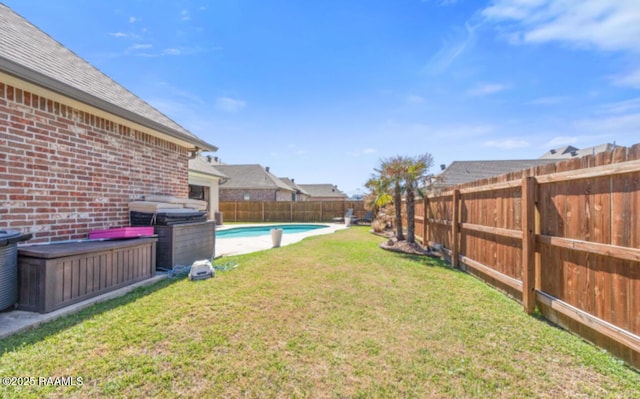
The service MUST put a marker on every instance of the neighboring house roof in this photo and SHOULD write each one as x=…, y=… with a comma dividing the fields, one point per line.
x=559, y=152
x=460, y=172
x=322, y=190
x=251, y=177
x=291, y=183
x=200, y=165
x=31, y=55
x=573, y=152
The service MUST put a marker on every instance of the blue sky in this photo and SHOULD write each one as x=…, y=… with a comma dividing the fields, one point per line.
x=322, y=91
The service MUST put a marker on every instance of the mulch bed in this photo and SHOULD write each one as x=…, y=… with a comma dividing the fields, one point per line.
x=392, y=244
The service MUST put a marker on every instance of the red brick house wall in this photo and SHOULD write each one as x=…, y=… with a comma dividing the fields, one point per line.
x=64, y=171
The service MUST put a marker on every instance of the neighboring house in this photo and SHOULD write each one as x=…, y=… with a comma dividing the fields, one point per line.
x=204, y=180
x=300, y=194
x=252, y=183
x=573, y=152
x=75, y=146
x=460, y=172
x=323, y=192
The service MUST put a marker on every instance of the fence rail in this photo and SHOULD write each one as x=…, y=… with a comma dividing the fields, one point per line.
x=282, y=211
x=564, y=238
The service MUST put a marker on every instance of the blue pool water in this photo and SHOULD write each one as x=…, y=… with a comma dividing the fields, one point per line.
x=254, y=231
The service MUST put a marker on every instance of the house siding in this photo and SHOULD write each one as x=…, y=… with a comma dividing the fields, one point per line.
x=64, y=171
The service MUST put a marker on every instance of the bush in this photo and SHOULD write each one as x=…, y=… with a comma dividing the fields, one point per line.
x=378, y=225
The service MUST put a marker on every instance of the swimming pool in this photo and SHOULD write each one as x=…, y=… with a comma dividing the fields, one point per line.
x=254, y=231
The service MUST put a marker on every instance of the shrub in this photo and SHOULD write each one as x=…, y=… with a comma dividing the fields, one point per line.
x=378, y=225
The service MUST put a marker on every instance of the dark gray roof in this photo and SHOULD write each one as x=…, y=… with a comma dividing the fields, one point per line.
x=199, y=164
x=251, y=177
x=460, y=172
x=28, y=53
x=293, y=185
x=322, y=190
x=573, y=152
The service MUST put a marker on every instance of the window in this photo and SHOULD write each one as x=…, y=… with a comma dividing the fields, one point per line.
x=246, y=196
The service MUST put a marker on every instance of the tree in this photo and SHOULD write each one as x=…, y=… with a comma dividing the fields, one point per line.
x=414, y=174
x=402, y=175
x=379, y=196
x=392, y=170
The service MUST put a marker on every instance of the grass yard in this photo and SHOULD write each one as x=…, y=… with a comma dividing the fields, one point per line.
x=333, y=316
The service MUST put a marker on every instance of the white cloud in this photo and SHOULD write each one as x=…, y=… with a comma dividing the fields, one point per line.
x=507, y=144
x=560, y=141
x=184, y=15
x=630, y=79
x=442, y=2
x=124, y=35
x=362, y=152
x=486, y=89
x=548, y=100
x=133, y=20
x=621, y=106
x=414, y=99
x=450, y=132
x=140, y=46
x=600, y=24
x=295, y=150
x=451, y=50
x=228, y=104
x=627, y=125
x=171, y=51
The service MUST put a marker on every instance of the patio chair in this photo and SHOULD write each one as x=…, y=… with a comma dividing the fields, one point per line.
x=348, y=214
x=368, y=217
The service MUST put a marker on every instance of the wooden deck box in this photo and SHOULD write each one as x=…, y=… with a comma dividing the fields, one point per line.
x=54, y=276
x=183, y=244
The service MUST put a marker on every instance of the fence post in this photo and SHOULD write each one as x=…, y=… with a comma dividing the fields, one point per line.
x=528, y=243
x=455, y=219
x=425, y=222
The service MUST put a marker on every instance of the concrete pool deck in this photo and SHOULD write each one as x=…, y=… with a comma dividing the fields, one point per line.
x=245, y=245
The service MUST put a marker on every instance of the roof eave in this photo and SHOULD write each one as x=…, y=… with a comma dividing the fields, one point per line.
x=36, y=78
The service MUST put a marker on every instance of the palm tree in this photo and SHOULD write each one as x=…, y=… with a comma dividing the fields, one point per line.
x=379, y=195
x=413, y=175
x=392, y=170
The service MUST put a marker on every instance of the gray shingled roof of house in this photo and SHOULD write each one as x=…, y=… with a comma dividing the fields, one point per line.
x=251, y=177
x=460, y=172
x=573, y=152
x=28, y=53
x=293, y=185
x=322, y=190
x=199, y=164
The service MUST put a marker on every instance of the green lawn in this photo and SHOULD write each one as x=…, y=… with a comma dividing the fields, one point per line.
x=333, y=316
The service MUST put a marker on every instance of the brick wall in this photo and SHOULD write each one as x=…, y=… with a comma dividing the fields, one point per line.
x=64, y=172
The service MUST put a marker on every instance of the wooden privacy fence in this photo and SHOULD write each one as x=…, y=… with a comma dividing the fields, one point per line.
x=282, y=211
x=563, y=237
